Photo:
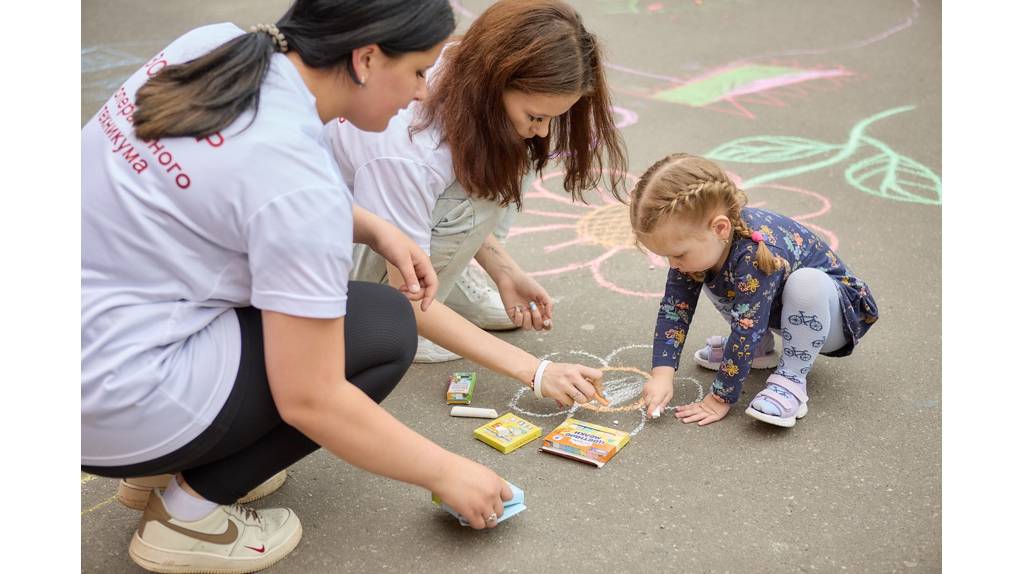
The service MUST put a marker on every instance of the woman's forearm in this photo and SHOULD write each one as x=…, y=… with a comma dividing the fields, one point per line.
x=365, y=225
x=495, y=260
x=353, y=427
x=453, y=332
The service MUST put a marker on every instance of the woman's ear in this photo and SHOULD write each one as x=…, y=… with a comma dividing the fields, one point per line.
x=721, y=227
x=363, y=59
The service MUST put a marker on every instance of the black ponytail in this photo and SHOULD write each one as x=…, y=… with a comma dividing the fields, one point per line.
x=205, y=95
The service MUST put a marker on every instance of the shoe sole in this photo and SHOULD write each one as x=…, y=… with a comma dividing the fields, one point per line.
x=137, y=497
x=766, y=362
x=787, y=422
x=505, y=325
x=159, y=560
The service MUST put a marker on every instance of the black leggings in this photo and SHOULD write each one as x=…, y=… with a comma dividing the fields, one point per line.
x=247, y=442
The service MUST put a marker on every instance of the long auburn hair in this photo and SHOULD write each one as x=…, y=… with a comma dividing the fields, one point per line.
x=531, y=46
x=207, y=94
x=696, y=189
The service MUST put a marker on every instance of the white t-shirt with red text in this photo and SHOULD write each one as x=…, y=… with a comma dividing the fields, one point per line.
x=178, y=232
x=397, y=177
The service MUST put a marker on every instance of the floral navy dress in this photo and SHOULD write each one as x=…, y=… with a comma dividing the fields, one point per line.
x=755, y=298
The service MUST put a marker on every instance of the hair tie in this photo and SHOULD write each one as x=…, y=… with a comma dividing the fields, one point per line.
x=756, y=236
x=271, y=30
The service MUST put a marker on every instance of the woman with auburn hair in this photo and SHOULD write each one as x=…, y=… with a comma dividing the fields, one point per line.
x=524, y=85
x=222, y=340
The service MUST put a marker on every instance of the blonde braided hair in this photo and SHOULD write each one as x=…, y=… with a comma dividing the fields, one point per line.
x=696, y=189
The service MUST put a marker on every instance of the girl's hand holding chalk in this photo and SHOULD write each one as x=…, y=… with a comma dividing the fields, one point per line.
x=658, y=391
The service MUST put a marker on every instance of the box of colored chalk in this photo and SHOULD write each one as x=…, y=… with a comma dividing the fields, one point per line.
x=507, y=432
x=460, y=388
x=585, y=442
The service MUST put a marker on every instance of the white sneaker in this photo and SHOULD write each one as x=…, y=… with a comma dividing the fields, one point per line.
x=474, y=298
x=429, y=352
x=134, y=492
x=231, y=539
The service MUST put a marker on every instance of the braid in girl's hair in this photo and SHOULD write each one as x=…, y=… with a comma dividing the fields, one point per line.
x=766, y=262
x=697, y=189
x=644, y=220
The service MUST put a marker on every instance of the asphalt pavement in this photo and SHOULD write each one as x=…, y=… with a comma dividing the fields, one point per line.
x=828, y=111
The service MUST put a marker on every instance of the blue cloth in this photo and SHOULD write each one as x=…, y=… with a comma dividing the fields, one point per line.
x=755, y=298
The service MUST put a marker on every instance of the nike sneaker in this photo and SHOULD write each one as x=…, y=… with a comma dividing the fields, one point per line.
x=231, y=539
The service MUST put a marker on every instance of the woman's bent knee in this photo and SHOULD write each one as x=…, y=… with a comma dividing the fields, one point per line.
x=381, y=318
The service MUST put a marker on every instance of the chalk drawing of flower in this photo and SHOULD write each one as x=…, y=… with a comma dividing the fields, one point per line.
x=581, y=236
x=597, y=238
x=623, y=386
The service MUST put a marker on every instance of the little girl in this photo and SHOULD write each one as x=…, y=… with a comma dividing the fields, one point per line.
x=762, y=271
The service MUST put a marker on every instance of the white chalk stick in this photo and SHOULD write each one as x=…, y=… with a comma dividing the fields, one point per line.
x=459, y=411
x=656, y=413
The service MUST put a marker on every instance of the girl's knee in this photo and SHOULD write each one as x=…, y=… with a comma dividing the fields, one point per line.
x=808, y=286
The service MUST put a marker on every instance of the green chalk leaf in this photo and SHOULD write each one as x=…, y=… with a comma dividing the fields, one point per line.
x=770, y=149
x=893, y=176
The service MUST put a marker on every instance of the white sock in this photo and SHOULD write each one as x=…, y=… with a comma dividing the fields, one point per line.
x=184, y=506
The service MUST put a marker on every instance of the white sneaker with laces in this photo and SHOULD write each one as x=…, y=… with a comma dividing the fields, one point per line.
x=429, y=352
x=231, y=539
x=474, y=298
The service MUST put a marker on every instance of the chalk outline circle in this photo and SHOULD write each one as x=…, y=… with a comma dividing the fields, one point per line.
x=605, y=367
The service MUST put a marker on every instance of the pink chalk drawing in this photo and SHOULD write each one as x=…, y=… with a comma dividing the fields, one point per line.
x=732, y=89
x=624, y=117
x=597, y=237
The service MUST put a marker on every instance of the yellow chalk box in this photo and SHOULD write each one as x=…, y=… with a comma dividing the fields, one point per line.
x=460, y=388
x=507, y=432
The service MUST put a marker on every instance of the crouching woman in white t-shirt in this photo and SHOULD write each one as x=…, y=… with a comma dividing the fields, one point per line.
x=523, y=85
x=221, y=338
